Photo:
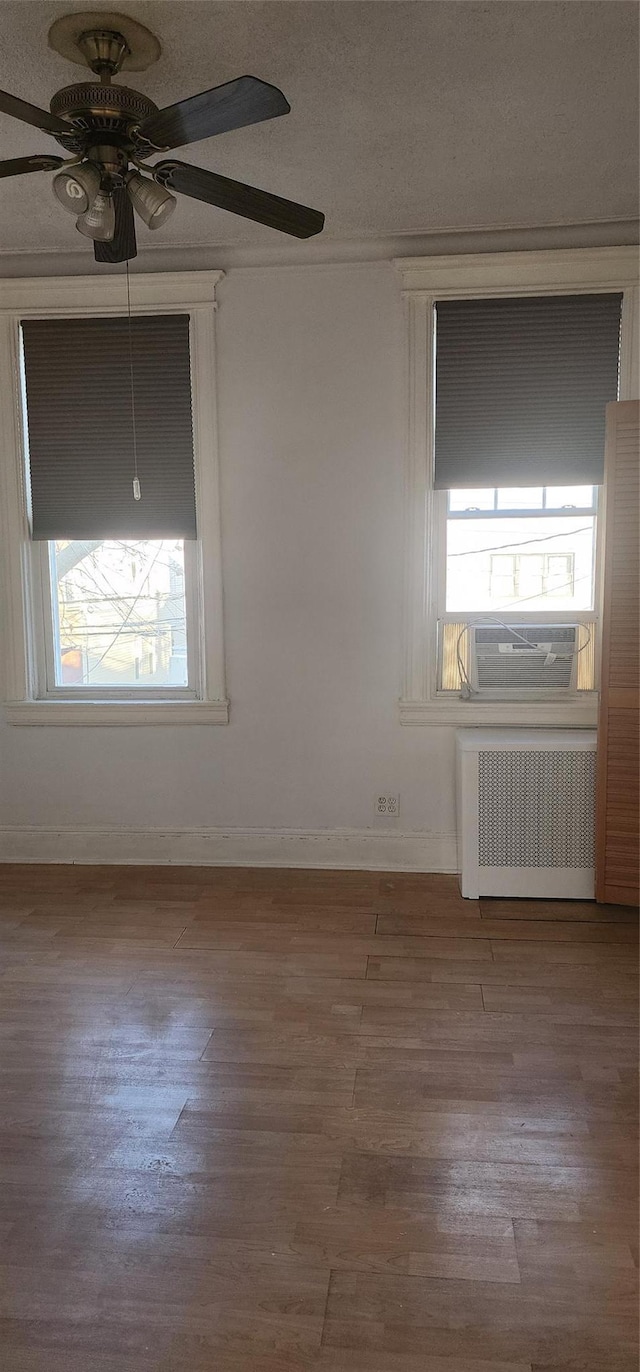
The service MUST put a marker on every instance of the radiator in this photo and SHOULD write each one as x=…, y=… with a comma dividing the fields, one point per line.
x=526, y=812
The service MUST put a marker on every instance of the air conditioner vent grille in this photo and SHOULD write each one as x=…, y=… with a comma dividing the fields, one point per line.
x=523, y=658
x=524, y=673
x=535, y=809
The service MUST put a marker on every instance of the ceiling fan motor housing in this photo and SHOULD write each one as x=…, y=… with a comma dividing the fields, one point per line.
x=99, y=114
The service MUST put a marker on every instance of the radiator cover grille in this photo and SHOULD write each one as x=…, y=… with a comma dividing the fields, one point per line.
x=534, y=809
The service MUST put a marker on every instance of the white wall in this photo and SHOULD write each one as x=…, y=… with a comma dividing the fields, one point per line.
x=310, y=386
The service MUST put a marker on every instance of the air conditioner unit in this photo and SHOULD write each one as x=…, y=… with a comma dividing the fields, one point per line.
x=522, y=659
x=526, y=812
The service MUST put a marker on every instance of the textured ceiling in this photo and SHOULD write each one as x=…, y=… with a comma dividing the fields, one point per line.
x=407, y=118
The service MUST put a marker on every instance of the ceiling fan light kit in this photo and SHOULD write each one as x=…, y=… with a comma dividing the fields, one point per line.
x=76, y=189
x=99, y=221
x=153, y=203
x=110, y=130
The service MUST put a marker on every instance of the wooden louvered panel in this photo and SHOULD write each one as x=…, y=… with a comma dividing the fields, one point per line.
x=617, y=874
x=621, y=854
x=624, y=567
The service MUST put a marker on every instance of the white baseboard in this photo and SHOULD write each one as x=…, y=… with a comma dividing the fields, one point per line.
x=357, y=849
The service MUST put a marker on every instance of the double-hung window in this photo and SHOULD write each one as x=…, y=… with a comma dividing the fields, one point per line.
x=111, y=478
x=118, y=516
x=512, y=360
x=516, y=556
x=522, y=385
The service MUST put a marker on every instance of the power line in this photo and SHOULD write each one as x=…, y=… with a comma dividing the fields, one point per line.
x=524, y=543
x=127, y=617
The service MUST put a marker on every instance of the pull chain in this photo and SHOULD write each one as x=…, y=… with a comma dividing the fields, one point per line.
x=136, y=481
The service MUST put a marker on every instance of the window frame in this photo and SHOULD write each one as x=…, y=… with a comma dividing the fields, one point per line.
x=543, y=511
x=424, y=282
x=30, y=692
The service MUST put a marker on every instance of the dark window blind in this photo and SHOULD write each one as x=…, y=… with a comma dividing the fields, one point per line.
x=521, y=389
x=80, y=430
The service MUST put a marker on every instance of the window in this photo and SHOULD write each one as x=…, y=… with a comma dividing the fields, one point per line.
x=514, y=555
x=522, y=385
x=512, y=359
x=114, y=608
x=115, y=602
x=119, y=614
x=533, y=548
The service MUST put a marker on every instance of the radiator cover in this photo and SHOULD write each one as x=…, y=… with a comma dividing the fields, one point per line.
x=526, y=804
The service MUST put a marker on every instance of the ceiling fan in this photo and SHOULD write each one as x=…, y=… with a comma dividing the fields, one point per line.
x=110, y=131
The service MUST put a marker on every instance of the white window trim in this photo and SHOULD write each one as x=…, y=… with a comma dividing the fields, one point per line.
x=426, y=280
x=190, y=293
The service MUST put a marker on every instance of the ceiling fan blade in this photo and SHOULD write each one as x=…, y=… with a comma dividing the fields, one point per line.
x=30, y=114
x=123, y=244
x=246, y=201
x=246, y=100
x=16, y=166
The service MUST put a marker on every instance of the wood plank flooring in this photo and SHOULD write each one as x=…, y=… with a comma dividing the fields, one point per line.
x=268, y=1121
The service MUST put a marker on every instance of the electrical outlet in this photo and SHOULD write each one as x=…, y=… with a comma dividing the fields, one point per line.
x=388, y=805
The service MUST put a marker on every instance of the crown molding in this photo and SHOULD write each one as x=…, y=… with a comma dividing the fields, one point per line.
x=165, y=257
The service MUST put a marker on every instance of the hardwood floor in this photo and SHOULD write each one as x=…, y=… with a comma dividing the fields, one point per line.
x=266, y=1121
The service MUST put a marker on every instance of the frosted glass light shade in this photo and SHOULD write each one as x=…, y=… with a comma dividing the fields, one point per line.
x=76, y=189
x=99, y=221
x=153, y=203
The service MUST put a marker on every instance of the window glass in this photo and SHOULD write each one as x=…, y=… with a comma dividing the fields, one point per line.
x=502, y=585
x=578, y=496
x=520, y=498
x=558, y=573
x=119, y=613
x=471, y=500
x=531, y=560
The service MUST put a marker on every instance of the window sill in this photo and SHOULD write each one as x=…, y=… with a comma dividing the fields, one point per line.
x=116, y=713
x=573, y=714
